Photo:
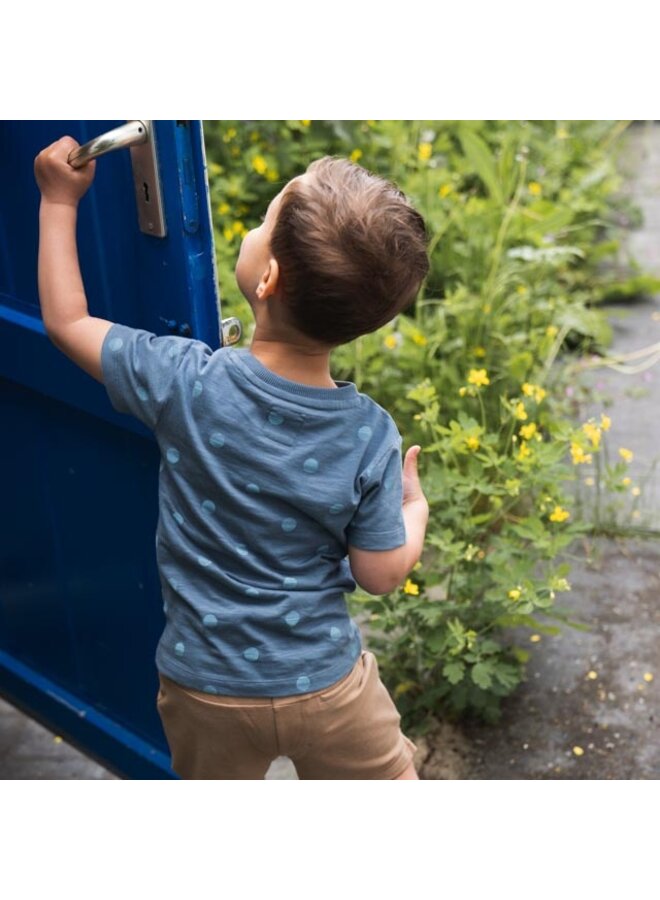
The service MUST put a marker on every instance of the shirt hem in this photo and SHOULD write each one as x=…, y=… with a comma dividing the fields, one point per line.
x=182, y=675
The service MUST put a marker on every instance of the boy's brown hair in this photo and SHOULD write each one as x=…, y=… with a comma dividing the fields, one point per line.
x=352, y=251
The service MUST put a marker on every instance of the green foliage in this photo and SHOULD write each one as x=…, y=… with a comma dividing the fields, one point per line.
x=524, y=217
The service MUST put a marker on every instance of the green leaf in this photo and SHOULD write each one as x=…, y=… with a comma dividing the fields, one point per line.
x=482, y=674
x=478, y=153
x=454, y=670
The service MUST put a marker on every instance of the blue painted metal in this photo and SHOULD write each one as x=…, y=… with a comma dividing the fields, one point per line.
x=80, y=600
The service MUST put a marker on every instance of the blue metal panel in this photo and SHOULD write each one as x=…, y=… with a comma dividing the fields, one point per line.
x=80, y=601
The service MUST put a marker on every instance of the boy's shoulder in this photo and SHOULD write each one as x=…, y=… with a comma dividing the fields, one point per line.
x=380, y=417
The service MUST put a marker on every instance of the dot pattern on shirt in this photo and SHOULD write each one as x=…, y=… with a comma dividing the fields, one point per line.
x=310, y=466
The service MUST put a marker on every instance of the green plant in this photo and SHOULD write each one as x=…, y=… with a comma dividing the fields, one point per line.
x=524, y=220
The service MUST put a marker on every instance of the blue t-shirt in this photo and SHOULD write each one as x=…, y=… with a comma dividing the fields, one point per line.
x=263, y=484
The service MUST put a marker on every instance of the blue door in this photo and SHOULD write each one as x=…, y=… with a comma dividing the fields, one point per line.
x=80, y=602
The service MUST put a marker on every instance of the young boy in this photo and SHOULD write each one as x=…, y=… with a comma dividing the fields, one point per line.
x=279, y=487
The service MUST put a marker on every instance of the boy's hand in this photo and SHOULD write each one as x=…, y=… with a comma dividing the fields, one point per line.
x=58, y=181
x=413, y=496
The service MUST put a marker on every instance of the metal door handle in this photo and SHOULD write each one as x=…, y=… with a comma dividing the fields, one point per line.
x=140, y=137
x=129, y=135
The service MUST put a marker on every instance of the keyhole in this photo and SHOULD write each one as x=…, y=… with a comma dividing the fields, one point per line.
x=145, y=186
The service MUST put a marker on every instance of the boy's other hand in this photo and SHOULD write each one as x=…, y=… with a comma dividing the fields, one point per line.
x=58, y=181
x=412, y=489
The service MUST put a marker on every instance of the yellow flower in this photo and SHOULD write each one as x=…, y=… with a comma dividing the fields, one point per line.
x=559, y=514
x=445, y=190
x=259, y=165
x=578, y=751
x=593, y=433
x=535, y=638
x=238, y=227
x=562, y=134
x=472, y=442
x=551, y=330
x=411, y=588
x=479, y=351
x=636, y=492
x=535, y=188
x=478, y=377
x=528, y=431
x=229, y=135
x=592, y=675
x=228, y=233
x=578, y=455
x=390, y=341
x=403, y=687
x=462, y=391
x=625, y=454
x=605, y=422
x=356, y=154
x=648, y=677
x=533, y=390
x=626, y=481
x=589, y=481
x=519, y=412
x=514, y=594
x=522, y=289
x=419, y=338
x=254, y=136
x=223, y=209
x=305, y=122
x=524, y=451
x=425, y=151
x=272, y=175
x=487, y=308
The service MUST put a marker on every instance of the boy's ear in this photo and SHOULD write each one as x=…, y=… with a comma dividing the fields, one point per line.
x=269, y=280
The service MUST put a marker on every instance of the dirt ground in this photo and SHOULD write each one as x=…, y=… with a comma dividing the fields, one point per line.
x=612, y=716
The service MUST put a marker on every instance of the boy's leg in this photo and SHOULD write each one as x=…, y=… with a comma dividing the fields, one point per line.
x=353, y=731
x=216, y=738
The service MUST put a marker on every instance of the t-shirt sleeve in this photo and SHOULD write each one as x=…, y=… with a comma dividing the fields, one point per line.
x=378, y=521
x=140, y=369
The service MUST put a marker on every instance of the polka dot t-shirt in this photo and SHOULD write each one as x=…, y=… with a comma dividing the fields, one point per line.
x=264, y=482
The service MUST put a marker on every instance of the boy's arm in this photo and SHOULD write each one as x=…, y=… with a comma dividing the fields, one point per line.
x=380, y=571
x=61, y=292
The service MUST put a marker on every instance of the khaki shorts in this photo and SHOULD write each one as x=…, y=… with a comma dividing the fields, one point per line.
x=347, y=730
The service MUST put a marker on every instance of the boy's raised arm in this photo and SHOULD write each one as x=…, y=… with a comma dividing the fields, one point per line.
x=61, y=291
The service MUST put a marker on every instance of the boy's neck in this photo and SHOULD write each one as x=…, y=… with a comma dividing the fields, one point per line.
x=310, y=367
